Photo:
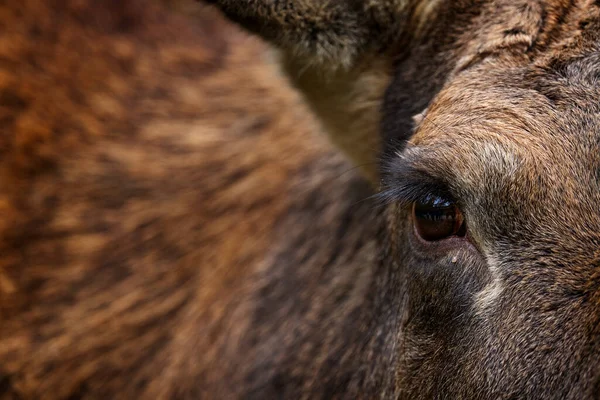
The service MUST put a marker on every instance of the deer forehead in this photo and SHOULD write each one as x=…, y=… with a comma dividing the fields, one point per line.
x=513, y=159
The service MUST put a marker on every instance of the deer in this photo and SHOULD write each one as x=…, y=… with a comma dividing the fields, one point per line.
x=300, y=199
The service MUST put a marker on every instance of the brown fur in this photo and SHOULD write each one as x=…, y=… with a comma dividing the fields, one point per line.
x=139, y=195
x=175, y=225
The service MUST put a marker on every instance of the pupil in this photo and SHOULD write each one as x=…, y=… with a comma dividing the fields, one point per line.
x=435, y=214
x=437, y=219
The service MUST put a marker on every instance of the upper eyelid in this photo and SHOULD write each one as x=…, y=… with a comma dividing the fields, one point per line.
x=405, y=184
x=413, y=186
x=407, y=194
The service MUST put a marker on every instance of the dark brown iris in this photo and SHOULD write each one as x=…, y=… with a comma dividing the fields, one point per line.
x=437, y=219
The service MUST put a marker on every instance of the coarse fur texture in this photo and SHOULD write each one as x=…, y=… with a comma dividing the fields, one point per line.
x=176, y=226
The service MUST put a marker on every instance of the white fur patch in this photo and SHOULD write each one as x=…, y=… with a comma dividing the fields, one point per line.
x=488, y=296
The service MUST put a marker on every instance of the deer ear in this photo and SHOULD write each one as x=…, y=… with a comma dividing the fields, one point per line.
x=335, y=53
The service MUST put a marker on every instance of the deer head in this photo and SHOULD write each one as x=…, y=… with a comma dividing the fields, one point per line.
x=484, y=117
x=175, y=226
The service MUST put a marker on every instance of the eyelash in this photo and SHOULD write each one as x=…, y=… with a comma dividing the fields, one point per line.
x=405, y=184
x=407, y=194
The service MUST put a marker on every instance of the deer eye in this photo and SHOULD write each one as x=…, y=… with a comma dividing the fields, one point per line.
x=436, y=219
